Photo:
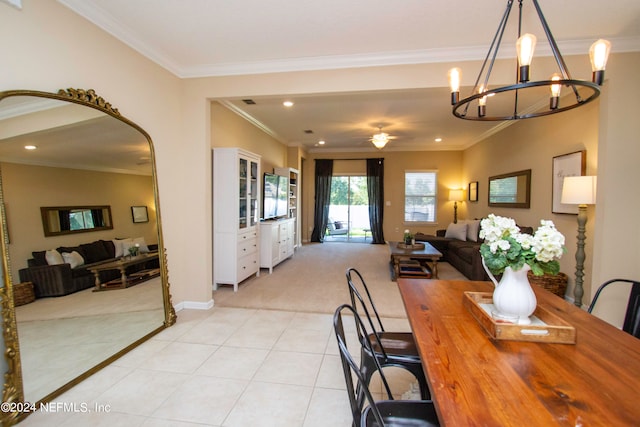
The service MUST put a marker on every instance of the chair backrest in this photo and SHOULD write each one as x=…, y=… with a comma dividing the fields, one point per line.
x=356, y=281
x=631, y=323
x=350, y=368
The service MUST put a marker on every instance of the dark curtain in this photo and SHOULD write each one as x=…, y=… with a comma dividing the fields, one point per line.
x=98, y=218
x=375, y=189
x=65, y=219
x=324, y=172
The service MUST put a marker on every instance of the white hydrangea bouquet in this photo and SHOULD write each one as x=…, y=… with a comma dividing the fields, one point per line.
x=505, y=246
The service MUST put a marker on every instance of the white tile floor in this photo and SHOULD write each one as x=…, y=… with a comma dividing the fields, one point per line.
x=221, y=367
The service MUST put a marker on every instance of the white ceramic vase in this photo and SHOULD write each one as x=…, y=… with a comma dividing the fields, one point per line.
x=513, y=295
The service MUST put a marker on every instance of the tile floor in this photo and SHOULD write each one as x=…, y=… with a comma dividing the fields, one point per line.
x=221, y=367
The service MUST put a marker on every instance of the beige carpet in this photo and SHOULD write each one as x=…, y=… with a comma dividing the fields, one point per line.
x=314, y=280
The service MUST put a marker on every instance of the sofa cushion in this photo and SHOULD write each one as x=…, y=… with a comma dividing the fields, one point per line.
x=39, y=258
x=473, y=229
x=110, y=247
x=467, y=251
x=69, y=249
x=456, y=231
x=119, y=250
x=53, y=257
x=74, y=259
x=94, y=252
x=142, y=244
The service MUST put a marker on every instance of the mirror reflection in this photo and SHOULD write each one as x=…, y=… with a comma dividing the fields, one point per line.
x=75, y=219
x=79, y=157
x=510, y=190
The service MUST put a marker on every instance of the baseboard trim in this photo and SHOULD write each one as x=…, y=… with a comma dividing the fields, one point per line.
x=194, y=305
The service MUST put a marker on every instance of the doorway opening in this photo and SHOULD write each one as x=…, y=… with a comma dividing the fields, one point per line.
x=348, y=210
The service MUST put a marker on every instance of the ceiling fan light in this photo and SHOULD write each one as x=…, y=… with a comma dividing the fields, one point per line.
x=380, y=139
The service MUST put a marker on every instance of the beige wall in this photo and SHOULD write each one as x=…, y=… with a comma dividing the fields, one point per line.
x=230, y=130
x=27, y=188
x=532, y=144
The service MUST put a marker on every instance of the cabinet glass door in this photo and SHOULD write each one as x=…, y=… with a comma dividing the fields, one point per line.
x=242, y=179
x=253, y=195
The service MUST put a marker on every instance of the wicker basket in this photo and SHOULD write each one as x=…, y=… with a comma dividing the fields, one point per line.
x=556, y=284
x=23, y=293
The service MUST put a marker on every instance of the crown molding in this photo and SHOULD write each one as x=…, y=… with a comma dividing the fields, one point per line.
x=100, y=18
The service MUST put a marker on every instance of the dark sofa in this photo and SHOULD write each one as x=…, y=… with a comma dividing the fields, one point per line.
x=62, y=279
x=463, y=255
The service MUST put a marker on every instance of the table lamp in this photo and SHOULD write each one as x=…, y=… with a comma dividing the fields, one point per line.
x=456, y=196
x=581, y=191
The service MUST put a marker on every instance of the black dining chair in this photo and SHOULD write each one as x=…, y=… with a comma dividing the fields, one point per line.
x=396, y=349
x=387, y=412
x=631, y=322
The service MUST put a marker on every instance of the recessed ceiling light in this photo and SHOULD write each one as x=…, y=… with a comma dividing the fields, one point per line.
x=30, y=147
x=438, y=139
x=287, y=104
x=321, y=142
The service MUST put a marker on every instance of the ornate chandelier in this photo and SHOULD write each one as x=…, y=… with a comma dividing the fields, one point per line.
x=524, y=89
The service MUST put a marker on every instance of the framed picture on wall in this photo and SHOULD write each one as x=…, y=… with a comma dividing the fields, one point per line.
x=473, y=191
x=572, y=164
x=139, y=214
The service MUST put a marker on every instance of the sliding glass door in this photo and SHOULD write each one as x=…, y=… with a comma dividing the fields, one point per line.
x=349, y=210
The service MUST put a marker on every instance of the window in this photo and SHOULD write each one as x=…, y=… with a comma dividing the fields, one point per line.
x=420, y=196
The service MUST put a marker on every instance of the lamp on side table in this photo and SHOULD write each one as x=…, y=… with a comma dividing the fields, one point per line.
x=456, y=196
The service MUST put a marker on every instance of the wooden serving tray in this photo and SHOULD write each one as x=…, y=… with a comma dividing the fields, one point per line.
x=548, y=327
x=413, y=246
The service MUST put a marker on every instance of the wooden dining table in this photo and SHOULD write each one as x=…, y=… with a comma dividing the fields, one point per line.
x=476, y=380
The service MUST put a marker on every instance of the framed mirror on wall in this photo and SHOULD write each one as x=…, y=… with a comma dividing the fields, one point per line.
x=83, y=154
x=511, y=190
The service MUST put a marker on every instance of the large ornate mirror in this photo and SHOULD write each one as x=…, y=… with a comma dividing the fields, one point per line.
x=59, y=325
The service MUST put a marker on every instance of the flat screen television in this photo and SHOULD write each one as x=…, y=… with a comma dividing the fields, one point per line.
x=275, y=189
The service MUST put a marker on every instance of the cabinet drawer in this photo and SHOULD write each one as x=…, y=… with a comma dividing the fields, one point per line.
x=247, y=266
x=247, y=247
x=251, y=235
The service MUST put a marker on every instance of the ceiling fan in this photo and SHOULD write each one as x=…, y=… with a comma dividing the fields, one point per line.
x=381, y=139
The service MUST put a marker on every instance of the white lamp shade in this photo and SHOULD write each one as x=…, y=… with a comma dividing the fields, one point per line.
x=456, y=195
x=579, y=190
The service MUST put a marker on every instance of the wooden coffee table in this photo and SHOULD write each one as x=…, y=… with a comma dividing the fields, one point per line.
x=401, y=253
x=121, y=265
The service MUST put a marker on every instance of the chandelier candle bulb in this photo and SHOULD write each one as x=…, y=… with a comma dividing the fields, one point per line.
x=599, y=55
x=455, y=76
x=555, y=92
x=525, y=46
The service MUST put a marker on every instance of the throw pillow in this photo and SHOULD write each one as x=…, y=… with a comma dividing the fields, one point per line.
x=473, y=229
x=117, y=243
x=456, y=231
x=74, y=259
x=142, y=245
x=53, y=257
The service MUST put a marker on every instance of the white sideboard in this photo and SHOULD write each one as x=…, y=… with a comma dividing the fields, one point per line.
x=277, y=242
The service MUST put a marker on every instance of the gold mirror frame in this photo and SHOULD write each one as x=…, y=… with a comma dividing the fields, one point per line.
x=13, y=391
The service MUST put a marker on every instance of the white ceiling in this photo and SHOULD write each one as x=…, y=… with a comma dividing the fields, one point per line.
x=199, y=38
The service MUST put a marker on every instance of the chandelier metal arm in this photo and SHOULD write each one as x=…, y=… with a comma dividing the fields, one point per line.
x=555, y=50
x=497, y=37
